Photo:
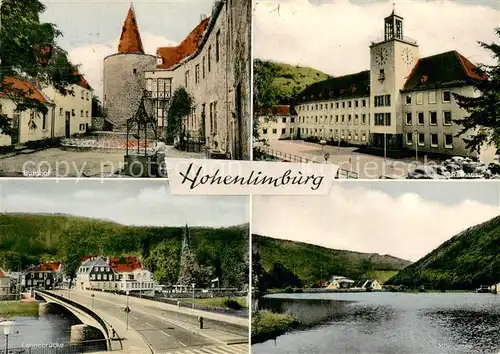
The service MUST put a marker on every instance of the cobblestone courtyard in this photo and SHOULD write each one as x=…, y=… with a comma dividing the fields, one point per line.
x=56, y=162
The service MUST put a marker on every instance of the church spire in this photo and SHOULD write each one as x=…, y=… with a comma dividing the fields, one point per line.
x=185, y=238
x=130, y=40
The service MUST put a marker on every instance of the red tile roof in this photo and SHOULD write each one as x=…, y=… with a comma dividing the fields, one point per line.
x=125, y=264
x=50, y=267
x=25, y=86
x=130, y=39
x=46, y=267
x=173, y=55
x=444, y=69
x=83, y=83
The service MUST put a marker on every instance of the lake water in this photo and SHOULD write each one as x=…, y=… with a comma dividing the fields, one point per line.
x=389, y=323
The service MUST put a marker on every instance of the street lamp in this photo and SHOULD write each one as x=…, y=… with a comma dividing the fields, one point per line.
x=92, y=296
x=193, y=284
x=7, y=328
x=127, y=309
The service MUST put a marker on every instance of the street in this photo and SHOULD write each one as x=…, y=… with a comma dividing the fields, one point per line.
x=163, y=330
x=367, y=166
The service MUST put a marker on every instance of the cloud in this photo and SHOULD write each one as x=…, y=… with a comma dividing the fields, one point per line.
x=91, y=57
x=128, y=205
x=335, y=36
x=364, y=220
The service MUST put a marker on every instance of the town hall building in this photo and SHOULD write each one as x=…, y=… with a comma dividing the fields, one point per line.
x=403, y=101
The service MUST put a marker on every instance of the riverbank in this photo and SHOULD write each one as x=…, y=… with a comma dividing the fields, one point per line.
x=18, y=308
x=268, y=325
x=235, y=303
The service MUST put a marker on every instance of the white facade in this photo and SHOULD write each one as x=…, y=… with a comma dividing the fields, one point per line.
x=275, y=127
x=344, y=119
x=72, y=113
x=379, y=107
x=30, y=125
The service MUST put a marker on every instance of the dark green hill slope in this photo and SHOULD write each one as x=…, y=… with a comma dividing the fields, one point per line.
x=312, y=263
x=466, y=261
x=285, y=81
x=31, y=238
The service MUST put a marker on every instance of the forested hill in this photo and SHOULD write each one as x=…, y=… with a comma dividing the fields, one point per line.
x=466, y=261
x=311, y=263
x=32, y=238
x=280, y=83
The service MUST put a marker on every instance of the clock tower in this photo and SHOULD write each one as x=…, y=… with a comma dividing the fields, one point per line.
x=391, y=62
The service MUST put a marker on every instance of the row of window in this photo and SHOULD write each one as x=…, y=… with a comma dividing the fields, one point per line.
x=433, y=118
x=344, y=135
x=85, y=94
x=61, y=111
x=275, y=131
x=433, y=140
x=432, y=97
x=206, y=63
x=325, y=119
x=383, y=101
x=343, y=104
x=132, y=285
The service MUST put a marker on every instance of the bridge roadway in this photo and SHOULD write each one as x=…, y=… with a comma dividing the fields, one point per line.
x=165, y=328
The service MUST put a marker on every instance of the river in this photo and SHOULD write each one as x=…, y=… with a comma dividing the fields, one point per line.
x=389, y=323
x=48, y=329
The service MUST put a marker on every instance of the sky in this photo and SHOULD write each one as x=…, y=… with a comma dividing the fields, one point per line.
x=334, y=36
x=402, y=219
x=92, y=28
x=147, y=203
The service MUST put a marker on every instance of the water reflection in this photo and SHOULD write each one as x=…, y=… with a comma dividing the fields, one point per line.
x=388, y=323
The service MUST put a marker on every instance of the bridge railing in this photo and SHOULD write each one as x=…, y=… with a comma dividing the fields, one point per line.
x=287, y=157
x=82, y=308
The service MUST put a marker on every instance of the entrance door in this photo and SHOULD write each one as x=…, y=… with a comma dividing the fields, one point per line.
x=68, y=124
x=15, y=128
x=298, y=133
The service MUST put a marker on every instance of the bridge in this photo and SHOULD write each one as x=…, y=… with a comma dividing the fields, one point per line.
x=86, y=316
x=152, y=327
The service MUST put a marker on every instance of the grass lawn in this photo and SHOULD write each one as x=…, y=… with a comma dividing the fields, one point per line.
x=219, y=301
x=18, y=308
x=267, y=325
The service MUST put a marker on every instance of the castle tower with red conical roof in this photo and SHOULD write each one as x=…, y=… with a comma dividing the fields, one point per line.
x=124, y=80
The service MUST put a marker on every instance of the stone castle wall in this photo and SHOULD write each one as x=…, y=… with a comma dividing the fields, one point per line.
x=123, y=88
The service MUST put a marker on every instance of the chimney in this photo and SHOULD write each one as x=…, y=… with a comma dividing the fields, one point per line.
x=203, y=17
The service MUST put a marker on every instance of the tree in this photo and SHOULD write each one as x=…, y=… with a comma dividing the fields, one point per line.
x=163, y=261
x=71, y=264
x=181, y=105
x=97, y=110
x=29, y=51
x=484, y=110
x=264, y=95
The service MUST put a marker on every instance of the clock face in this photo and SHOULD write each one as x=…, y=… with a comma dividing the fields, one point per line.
x=381, y=56
x=407, y=56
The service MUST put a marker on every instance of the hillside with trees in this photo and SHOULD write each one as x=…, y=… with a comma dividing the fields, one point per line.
x=464, y=262
x=282, y=263
x=279, y=83
x=27, y=239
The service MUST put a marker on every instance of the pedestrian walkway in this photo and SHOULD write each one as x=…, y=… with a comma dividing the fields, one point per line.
x=221, y=349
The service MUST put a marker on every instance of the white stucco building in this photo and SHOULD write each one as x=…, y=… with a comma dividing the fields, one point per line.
x=65, y=116
x=28, y=125
x=114, y=274
x=279, y=122
x=403, y=101
x=72, y=113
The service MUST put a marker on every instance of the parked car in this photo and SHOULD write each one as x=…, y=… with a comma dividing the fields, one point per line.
x=425, y=172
